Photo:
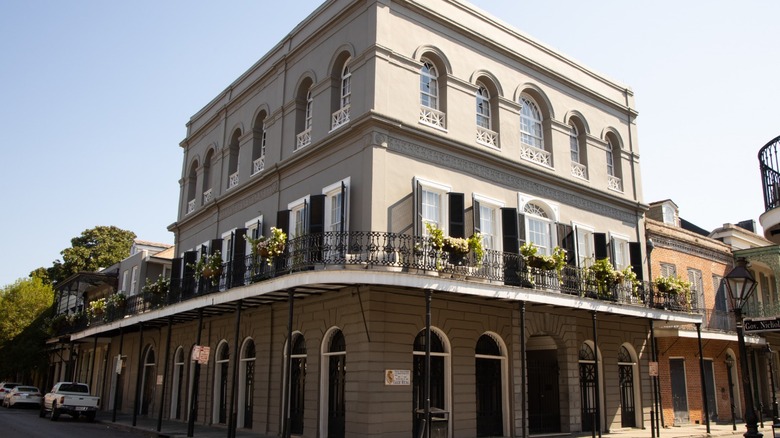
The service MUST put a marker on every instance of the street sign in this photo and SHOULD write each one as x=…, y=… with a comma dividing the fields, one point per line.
x=653, y=369
x=203, y=359
x=761, y=325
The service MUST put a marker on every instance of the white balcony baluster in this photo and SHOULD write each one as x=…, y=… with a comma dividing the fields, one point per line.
x=432, y=117
x=258, y=165
x=190, y=206
x=536, y=155
x=487, y=137
x=340, y=117
x=208, y=195
x=579, y=170
x=303, y=139
x=233, y=181
x=614, y=183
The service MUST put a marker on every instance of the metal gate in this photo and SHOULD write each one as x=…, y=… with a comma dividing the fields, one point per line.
x=626, y=376
x=544, y=415
x=588, y=388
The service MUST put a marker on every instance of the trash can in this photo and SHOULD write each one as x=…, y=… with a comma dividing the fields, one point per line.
x=439, y=422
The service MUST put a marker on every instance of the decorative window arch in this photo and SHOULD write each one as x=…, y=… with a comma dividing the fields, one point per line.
x=590, y=376
x=192, y=186
x=176, y=383
x=221, y=366
x=333, y=373
x=246, y=384
x=340, y=116
x=578, y=148
x=483, y=107
x=539, y=227
x=614, y=170
x=440, y=384
x=532, y=147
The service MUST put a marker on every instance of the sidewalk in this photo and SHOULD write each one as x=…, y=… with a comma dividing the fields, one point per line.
x=178, y=429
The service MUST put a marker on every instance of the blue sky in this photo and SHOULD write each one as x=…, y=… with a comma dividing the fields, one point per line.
x=95, y=96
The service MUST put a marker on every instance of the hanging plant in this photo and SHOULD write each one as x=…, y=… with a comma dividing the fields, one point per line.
x=268, y=246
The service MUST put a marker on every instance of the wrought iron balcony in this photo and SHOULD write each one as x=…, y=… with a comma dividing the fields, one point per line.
x=769, y=162
x=401, y=253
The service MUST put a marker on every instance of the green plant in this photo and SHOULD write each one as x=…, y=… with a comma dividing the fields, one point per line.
x=532, y=259
x=674, y=286
x=607, y=277
x=268, y=246
x=117, y=300
x=97, y=308
x=475, y=244
x=157, y=287
x=208, y=266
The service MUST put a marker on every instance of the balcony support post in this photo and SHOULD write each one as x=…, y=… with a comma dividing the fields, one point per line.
x=195, y=382
x=136, y=404
x=116, y=382
x=703, y=380
x=165, y=372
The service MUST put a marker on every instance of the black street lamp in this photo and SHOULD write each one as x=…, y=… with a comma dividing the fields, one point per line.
x=770, y=357
x=740, y=284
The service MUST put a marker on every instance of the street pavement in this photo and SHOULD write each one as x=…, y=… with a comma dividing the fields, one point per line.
x=178, y=429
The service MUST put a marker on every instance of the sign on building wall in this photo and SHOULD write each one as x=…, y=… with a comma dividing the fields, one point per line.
x=398, y=377
x=762, y=325
x=652, y=368
x=200, y=353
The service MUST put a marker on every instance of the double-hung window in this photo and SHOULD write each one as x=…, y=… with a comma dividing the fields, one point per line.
x=429, y=86
x=531, y=124
x=134, y=281
x=620, y=252
x=487, y=221
x=254, y=229
x=430, y=205
x=538, y=228
x=585, y=246
x=336, y=206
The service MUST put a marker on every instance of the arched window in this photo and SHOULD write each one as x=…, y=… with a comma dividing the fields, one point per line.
x=192, y=187
x=221, y=363
x=304, y=114
x=429, y=85
x=483, y=107
x=574, y=143
x=531, y=123
x=233, y=160
x=149, y=381
x=208, y=192
x=176, y=383
x=346, y=86
x=578, y=150
x=258, y=143
x=297, y=384
x=439, y=383
x=626, y=365
x=614, y=181
x=334, y=372
x=246, y=384
x=489, y=387
x=538, y=228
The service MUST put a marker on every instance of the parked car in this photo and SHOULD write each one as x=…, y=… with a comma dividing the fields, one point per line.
x=70, y=398
x=22, y=395
x=6, y=387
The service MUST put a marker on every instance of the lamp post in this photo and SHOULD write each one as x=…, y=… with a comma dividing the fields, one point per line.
x=740, y=284
x=770, y=357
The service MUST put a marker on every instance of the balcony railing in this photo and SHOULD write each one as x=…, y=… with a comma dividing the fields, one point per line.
x=258, y=165
x=303, y=139
x=407, y=255
x=487, y=137
x=536, y=155
x=340, y=117
x=614, y=183
x=190, y=206
x=233, y=180
x=579, y=170
x=432, y=117
x=769, y=161
x=208, y=196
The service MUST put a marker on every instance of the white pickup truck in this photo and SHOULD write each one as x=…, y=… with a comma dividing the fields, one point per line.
x=70, y=398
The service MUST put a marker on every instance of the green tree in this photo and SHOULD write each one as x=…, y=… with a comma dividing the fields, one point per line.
x=95, y=248
x=20, y=304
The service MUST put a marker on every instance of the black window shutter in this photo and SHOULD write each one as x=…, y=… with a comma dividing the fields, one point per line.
x=635, y=254
x=600, y=245
x=566, y=241
x=239, y=257
x=417, y=199
x=176, y=265
x=521, y=229
x=216, y=245
x=188, y=280
x=509, y=226
x=343, y=212
x=611, y=251
x=477, y=217
x=316, y=214
x=457, y=220
x=283, y=221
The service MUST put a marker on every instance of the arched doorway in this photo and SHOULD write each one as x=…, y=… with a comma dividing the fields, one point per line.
x=297, y=384
x=221, y=363
x=489, y=369
x=626, y=368
x=334, y=355
x=544, y=411
x=440, y=357
x=148, y=381
x=588, y=381
x=176, y=383
x=246, y=383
